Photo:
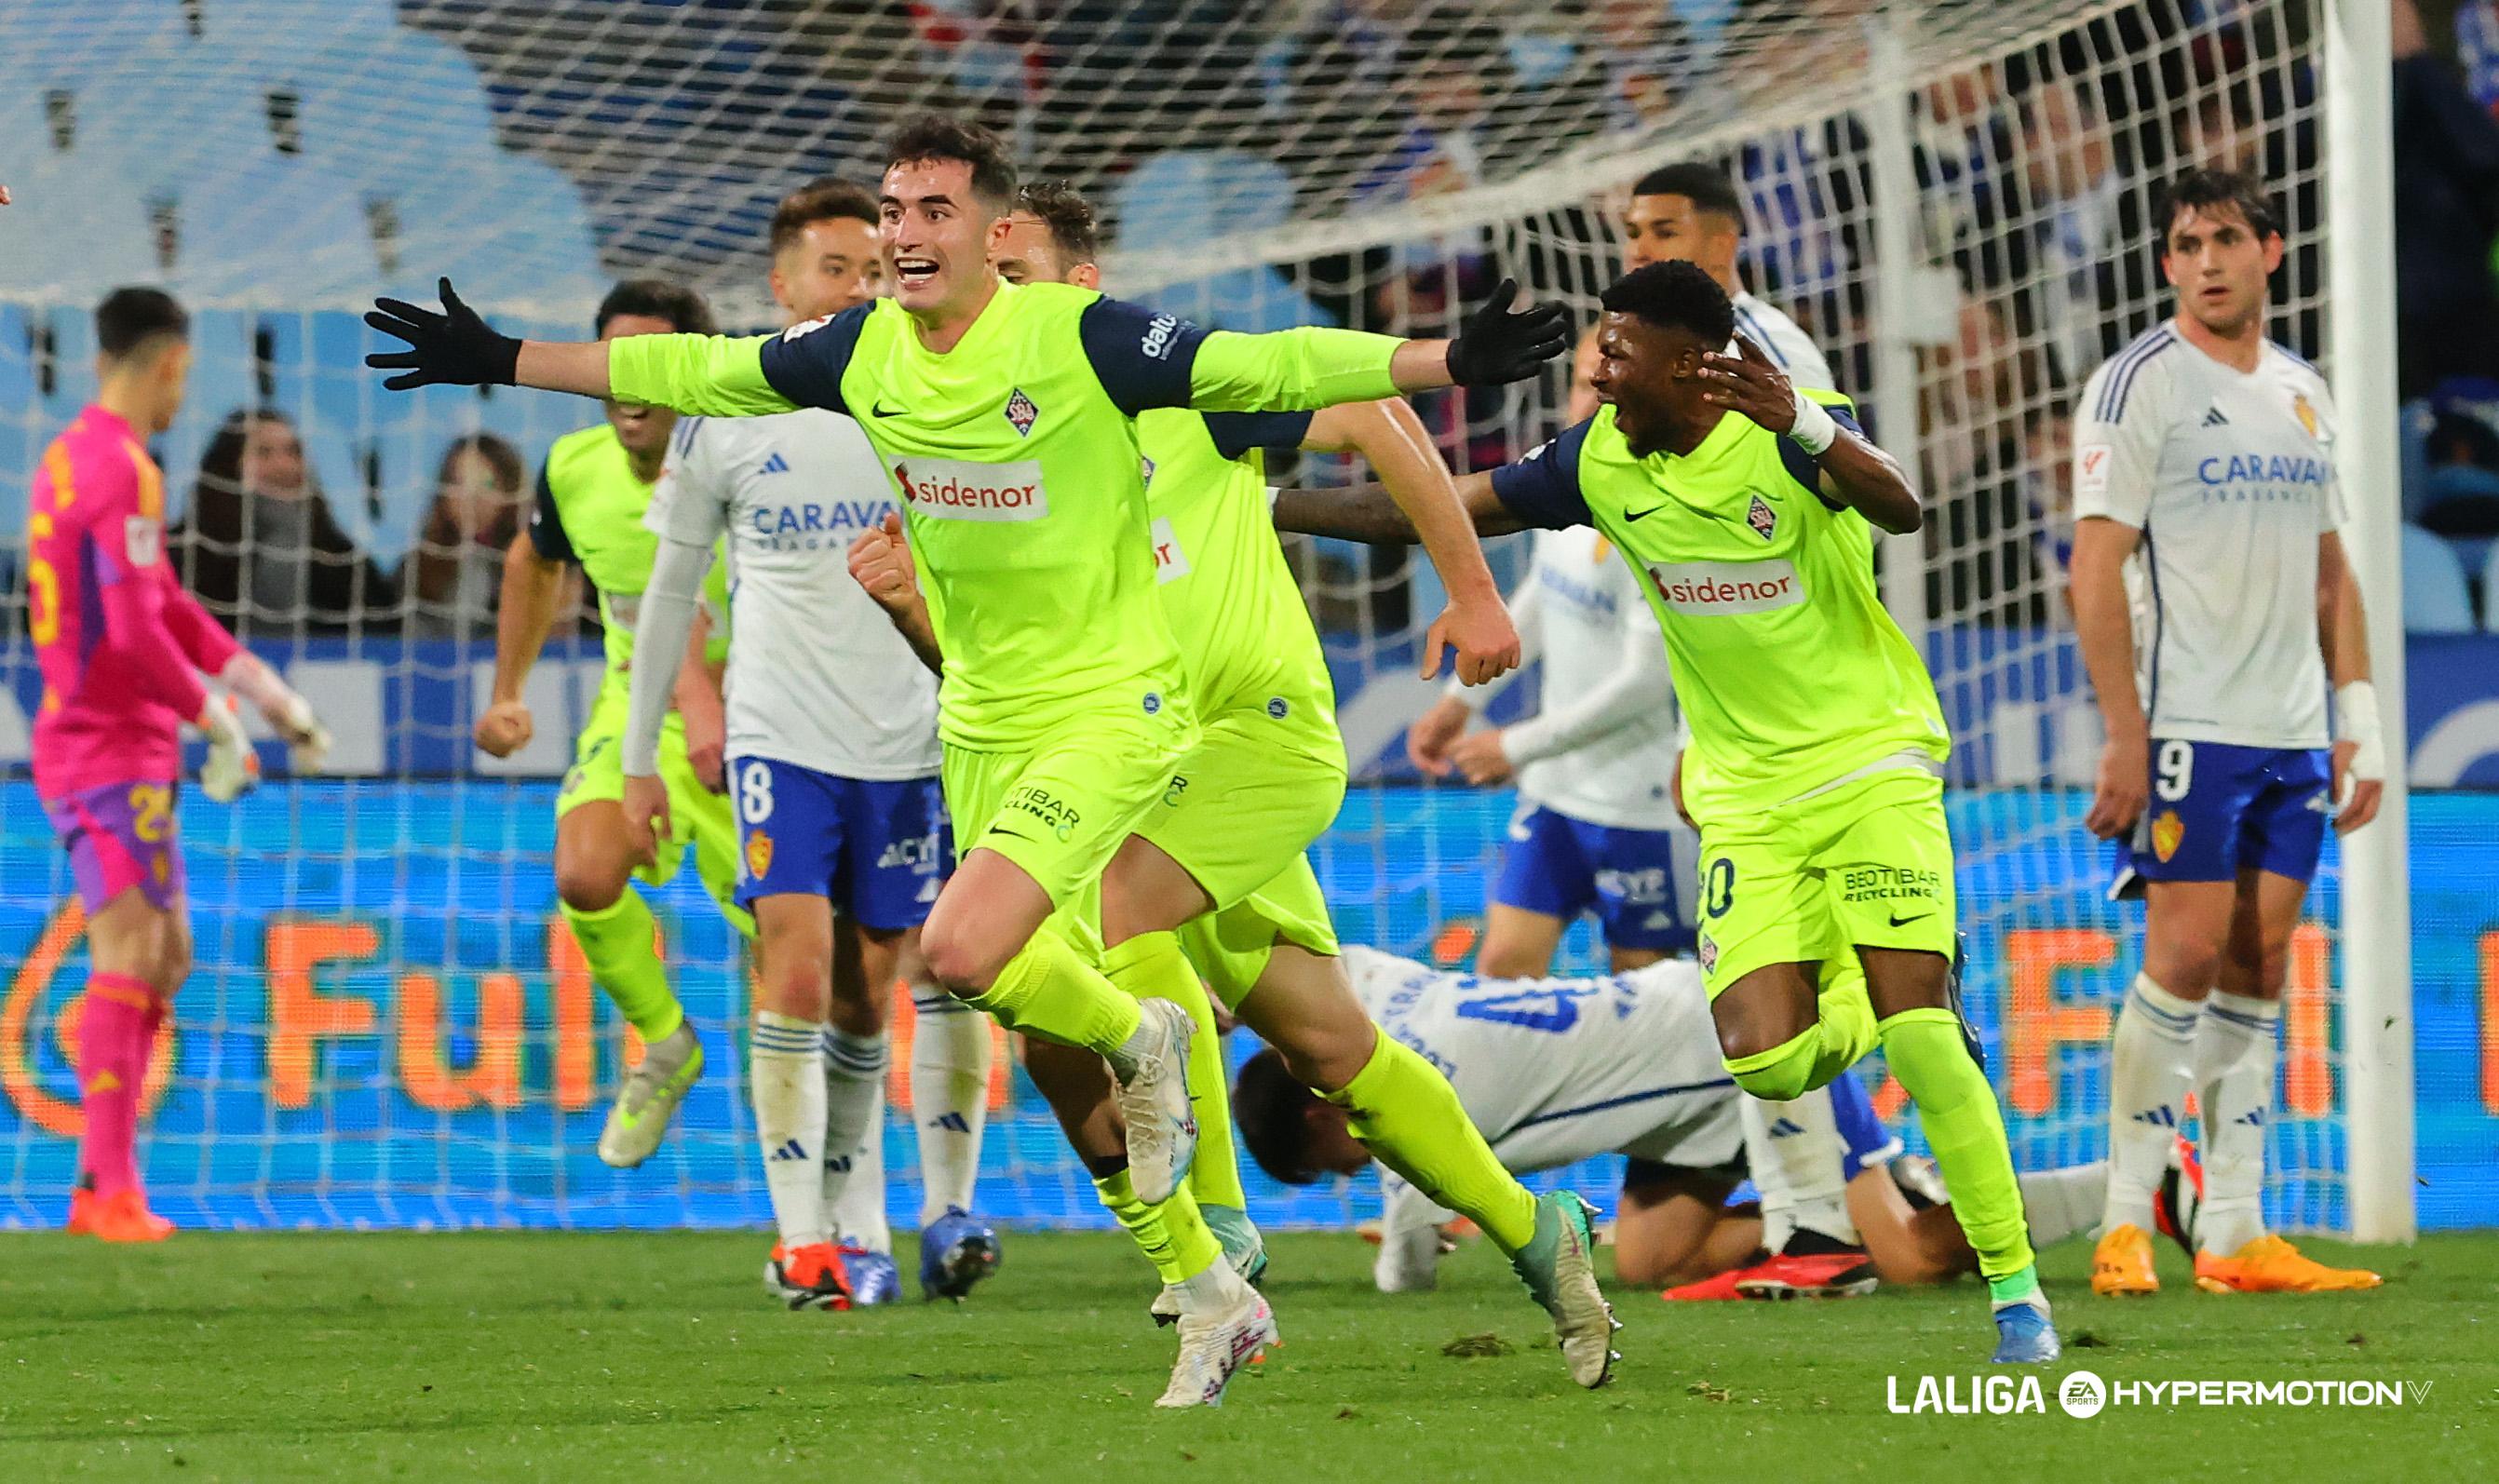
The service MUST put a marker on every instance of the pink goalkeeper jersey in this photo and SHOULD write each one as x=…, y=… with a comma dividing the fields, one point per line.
x=121, y=645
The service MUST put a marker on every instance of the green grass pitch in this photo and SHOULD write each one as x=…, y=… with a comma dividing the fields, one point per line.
x=629, y=1357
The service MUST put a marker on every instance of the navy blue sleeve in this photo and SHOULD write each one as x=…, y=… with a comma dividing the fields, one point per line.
x=1542, y=489
x=1238, y=433
x=1803, y=468
x=804, y=362
x=546, y=524
x=1143, y=357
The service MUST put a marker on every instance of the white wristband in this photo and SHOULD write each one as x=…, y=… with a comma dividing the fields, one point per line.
x=1815, y=428
x=2355, y=721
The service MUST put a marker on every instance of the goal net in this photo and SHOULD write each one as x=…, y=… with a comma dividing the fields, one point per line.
x=389, y=1023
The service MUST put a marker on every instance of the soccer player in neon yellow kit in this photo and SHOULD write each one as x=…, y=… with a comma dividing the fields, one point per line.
x=591, y=497
x=1251, y=915
x=1747, y=509
x=1005, y=417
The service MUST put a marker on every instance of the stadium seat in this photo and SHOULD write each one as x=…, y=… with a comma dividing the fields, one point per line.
x=1164, y=207
x=2435, y=597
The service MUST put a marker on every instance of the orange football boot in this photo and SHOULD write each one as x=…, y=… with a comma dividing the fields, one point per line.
x=2122, y=1264
x=121, y=1217
x=2271, y=1265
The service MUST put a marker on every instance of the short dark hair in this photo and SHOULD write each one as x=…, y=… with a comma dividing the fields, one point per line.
x=926, y=137
x=1274, y=1110
x=1707, y=188
x=130, y=318
x=1675, y=296
x=1068, y=215
x=823, y=199
x=685, y=309
x=2199, y=190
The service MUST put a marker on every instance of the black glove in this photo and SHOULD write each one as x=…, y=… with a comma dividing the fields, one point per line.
x=452, y=348
x=1496, y=346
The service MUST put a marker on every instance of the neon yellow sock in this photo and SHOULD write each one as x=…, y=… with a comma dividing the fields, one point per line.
x=1049, y=990
x=1967, y=1131
x=1173, y=1236
x=1407, y=1114
x=620, y=950
x=1153, y=964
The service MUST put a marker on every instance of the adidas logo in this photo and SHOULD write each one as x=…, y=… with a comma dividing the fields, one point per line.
x=776, y=465
x=1786, y=1128
x=2160, y=1117
x=2253, y=1117
x=2212, y=418
x=839, y=1163
x=792, y=1149
x=951, y=1123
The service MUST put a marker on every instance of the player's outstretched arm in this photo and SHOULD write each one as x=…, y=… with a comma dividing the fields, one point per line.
x=2104, y=628
x=1368, y=512
x=709, y=374
x=1317, y=367
x=1853, y=472
x=880, y=561
x=1391, y=438
x=2359, y=756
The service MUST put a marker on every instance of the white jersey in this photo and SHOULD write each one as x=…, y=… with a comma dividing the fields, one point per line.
x=817, y=674
x=1782, y=341
x=1554, y=1070
x=1602, y=749
x=2231, y=478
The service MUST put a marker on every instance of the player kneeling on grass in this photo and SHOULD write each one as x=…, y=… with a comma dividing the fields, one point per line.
x=833, y=757
x=122, y=648
x=1563, y=1070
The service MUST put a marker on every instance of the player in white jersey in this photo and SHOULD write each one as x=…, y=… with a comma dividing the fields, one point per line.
x=2215, y=607
x=1556, y=1071
x=832, y=767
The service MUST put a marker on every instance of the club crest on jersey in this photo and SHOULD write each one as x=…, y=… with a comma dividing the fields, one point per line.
x=2168, y=833
x=1021, y=412
x=758, y=856
x=1708, y=954
x=1764, y=520
x=2306, y=411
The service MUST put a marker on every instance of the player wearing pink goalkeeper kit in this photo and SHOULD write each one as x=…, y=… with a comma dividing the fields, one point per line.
x=122, y=650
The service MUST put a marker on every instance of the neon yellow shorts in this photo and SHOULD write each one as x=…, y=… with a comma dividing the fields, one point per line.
x=1868, y=864
x=1062, y=810
x=1230, y=948
x=700, y=819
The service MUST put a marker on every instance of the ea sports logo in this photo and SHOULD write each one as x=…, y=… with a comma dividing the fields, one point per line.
x=2082, y=1395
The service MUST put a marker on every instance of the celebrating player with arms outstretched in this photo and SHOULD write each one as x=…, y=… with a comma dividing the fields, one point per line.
x=832, y=769
x=122, y=648
x=1004, y=417
x=1817, y=741
x=591, y=497
x=1222, y=858
x=2204, y=482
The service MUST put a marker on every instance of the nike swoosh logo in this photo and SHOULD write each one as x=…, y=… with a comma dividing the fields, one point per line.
x=1898, y=920
x=879, y=408
x=1630, y=516
x=1012, y=834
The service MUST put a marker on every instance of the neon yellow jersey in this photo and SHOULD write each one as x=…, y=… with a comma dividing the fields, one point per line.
x=1015, y=456
x=589, y=512
x=1246, y=637
x=1791, y=672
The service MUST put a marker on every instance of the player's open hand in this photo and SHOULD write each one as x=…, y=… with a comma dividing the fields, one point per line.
x=1486, y=642
x=880, y=561
x=2356, y=797
x=506, y=728
x=647, y=820
x=451, y=348
x=1496, y=346
x=1751, y=383
x=2125, y=787
x=1427, y=741
x=1480, y=760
